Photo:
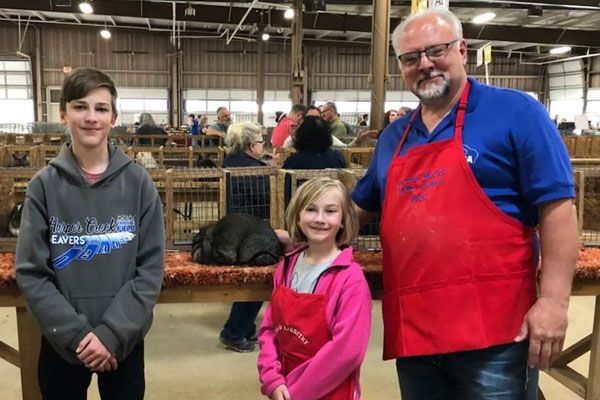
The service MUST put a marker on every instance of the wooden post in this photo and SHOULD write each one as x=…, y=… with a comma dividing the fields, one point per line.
x=260, y=77
x=379, y=61
x=39, y=115
x=298, y=82
x=29, y=350
x=593, y=381
x=580, y=179
x=175, y=99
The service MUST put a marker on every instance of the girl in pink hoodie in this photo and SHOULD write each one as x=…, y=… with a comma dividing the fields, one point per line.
x=316, y=328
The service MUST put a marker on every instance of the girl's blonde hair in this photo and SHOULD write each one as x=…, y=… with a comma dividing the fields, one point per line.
x=309, y=193
x=241, y=135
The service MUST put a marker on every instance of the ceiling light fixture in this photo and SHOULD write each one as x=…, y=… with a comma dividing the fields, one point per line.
x=483, y=18
x=86, y=7
x=265, y=36
x=289, y=13
x=105, y=33
x=560, y=50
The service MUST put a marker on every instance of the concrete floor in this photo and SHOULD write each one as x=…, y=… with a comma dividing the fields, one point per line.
x=185, y=361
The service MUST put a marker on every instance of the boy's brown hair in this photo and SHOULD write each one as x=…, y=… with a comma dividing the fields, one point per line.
x=81, y=82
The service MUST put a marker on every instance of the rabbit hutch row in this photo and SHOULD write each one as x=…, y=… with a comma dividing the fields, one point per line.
x=149, y=157
x=193, y=198
x=124, y=139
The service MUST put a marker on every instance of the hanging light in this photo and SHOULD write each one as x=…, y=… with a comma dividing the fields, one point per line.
x=560, y=50
x=105, y=33
x=265, y=36
x=86, y=7
x=483, y=18
x=289, y=13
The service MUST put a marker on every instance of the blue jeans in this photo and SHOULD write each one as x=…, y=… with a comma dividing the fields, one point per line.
x=497, y=372
x=240, y=324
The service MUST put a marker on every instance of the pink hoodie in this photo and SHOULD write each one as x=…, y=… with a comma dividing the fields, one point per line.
x=349, y=315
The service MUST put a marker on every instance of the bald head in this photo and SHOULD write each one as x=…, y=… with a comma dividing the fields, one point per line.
x=437, y=16
x=432, y=56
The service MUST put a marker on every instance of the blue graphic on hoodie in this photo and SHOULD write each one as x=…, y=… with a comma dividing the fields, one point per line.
x=101, y=238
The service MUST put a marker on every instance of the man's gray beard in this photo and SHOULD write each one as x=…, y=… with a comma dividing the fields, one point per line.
x=433, y=92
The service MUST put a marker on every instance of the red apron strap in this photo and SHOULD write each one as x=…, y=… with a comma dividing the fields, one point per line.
x=407, y=129
x=460, y=114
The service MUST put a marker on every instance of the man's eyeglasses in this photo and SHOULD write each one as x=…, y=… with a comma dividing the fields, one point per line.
x=435, y=52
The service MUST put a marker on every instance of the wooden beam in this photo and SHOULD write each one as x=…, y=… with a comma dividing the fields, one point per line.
x=29, y=350
x=573, y=352
x=593, y=381
x=572, y=379
x=10, y=354
x=379, y=61
x=225, y=293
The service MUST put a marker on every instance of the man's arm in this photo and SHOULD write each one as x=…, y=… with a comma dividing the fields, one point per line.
x=364, y=216
x=547, y=320
x=214, y=132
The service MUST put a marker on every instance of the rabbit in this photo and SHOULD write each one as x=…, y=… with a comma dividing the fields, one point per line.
x=146, y=160
x=19, y=160
x=237, y=239
x=205, y=162
x=14, y=219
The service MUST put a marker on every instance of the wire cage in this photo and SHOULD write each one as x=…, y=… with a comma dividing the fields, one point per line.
x=291, y=179
x=368, y=237
x=13, y=186
x=48, y=152
x=176, y=157
x=358, y=157
x=583, y=146
x=146, y=156
x=205, y=157
x=192, y=198
x=253, y=190
x=587, y=193
x=20, y=156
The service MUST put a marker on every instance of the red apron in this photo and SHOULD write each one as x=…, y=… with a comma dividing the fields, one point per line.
x=302, y=329
x=458, y=272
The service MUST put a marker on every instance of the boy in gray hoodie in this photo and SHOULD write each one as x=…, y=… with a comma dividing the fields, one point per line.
x=90, y=253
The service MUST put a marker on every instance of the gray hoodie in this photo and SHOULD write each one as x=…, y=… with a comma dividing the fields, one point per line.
x=90, y=258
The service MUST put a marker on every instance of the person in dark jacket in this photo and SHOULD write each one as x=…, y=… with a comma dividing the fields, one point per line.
x=250, y=195
x=246, y=145
x=149, y=127
x=313, y=144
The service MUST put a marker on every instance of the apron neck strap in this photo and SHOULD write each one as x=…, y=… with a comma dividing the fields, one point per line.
x=458, y=125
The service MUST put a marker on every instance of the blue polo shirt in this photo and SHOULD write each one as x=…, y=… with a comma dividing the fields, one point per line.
x=510, y=142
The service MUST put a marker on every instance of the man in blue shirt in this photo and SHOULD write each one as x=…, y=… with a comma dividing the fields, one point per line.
x=510, y=173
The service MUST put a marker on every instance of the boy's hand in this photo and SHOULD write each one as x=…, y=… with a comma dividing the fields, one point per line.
x=91, y=352
x=107, y=366
x=280, y=393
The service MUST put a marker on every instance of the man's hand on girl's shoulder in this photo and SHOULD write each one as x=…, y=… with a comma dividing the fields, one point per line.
x=284, y=238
